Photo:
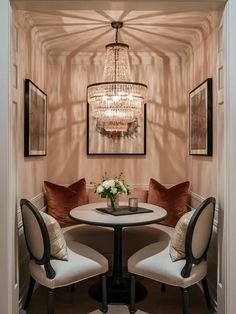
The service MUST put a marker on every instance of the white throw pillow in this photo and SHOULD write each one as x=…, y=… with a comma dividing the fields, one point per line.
x=177, y=243
x=58, y=245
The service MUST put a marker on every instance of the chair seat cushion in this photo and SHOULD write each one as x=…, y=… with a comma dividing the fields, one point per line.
x=83, y=262
x=154, y=262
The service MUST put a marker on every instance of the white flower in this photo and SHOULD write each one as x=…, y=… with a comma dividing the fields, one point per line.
x=114, y=191
x=111, y=187
x=105, y=184
x=124, y=190
x=100, y=189
x=112, y=183
x=108, y=184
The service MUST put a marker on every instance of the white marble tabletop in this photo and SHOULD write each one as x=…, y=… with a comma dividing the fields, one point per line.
x=89, y=215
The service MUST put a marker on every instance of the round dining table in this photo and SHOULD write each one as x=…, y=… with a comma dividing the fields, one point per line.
x=117, y=285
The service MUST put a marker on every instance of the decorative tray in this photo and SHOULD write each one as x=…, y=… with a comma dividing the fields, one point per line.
x=124, y=210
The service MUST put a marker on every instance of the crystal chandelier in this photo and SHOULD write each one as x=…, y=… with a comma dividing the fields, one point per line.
x=116, y=101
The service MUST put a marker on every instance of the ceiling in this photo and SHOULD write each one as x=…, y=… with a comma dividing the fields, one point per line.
x=162, y=32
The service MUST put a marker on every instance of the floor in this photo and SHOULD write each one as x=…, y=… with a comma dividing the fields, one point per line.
x=79, y=302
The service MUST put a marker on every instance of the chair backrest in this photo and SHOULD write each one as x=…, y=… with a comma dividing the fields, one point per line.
x=198, y=234
x=36, y=236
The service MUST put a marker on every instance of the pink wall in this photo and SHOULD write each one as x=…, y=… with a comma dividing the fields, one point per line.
x=202, y=64
x=32, y=65
x=65, y=78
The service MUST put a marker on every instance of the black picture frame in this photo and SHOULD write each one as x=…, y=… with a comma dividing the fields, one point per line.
x=35, y=120
x=101, y=142
x=200, y=119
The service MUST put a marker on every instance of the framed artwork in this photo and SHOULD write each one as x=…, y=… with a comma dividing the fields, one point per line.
x=100, y=141
x=200, y=119
x=35, y=137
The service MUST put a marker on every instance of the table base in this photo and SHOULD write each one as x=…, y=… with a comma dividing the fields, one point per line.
x=117, y=294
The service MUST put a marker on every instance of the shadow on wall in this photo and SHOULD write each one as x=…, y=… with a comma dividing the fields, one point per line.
x=31, y=62
x=166, y=114
x=166, y=107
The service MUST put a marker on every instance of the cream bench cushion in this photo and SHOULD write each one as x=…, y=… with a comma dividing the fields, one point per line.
x=102, y=238
x=98, y=238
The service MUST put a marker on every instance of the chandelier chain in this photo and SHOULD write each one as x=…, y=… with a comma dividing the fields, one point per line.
x=117, y=35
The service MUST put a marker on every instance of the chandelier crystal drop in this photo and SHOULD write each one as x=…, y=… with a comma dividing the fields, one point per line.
x=117, y=100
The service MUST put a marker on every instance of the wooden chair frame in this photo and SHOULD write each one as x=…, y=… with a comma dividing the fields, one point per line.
x=190, y=260
x=45, y=260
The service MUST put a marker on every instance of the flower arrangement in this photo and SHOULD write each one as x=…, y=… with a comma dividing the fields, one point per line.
x=110, y=188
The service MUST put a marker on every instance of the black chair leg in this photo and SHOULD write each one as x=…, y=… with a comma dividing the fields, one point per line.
x=29, y=293
x=51, y=294
x=163, y=287
x=72, y=287
x=206, y=293
x=104, y=293
x=132, y=309
x=185, y=300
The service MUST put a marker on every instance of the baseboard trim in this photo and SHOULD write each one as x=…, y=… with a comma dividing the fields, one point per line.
x=22, y=299
x=21, y=302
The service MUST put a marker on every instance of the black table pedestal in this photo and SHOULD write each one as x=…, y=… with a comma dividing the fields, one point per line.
x=117, y=294
x=118, y=287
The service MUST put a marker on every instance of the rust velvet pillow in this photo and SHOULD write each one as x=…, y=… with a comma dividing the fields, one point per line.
x=61, y=200
x=174, y=200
